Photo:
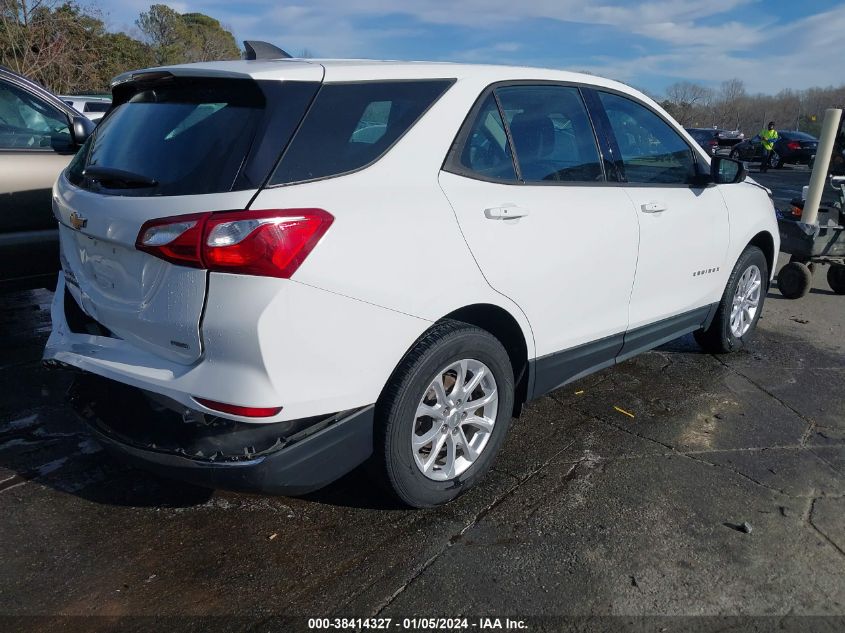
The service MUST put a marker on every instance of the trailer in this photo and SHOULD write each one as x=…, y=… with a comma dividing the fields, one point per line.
x=814, y=235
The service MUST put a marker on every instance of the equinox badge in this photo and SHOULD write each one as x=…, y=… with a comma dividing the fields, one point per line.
x=77, y=221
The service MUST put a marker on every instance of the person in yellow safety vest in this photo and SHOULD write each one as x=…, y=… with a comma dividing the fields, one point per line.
x=768, y=138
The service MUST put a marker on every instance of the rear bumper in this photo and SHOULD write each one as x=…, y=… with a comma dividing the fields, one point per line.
x=289, y=458
x=268, y=343
x=798, y=157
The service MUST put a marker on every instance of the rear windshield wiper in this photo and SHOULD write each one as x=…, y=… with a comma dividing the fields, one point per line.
x=118, y=177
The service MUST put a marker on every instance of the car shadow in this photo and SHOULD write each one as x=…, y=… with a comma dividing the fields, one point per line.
x=53, y=448
x=358, y=489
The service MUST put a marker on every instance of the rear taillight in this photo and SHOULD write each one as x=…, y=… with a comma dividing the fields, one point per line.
x=175, y=239
x=236, y=409
x=712, y=142
x=266, y=243
x=793, y=145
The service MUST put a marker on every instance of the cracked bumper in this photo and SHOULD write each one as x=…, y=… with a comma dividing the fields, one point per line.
x=288, y=458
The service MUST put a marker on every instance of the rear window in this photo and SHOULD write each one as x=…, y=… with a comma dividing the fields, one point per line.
x=797, y=136
x=96, y=106
x=191, y=136
x=351, y=125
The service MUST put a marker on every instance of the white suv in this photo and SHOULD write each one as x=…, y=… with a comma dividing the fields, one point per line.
x=277, y=270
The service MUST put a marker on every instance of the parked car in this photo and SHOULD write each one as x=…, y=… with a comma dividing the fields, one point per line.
x=39, y=134
x=260, y=297
x=714, y=141
x=92, y=107
x=792, y=147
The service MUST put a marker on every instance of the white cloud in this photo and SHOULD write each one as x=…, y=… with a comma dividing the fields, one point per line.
x=698, y=40
x=798, y=55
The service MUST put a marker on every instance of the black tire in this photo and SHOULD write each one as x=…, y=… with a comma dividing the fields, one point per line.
x=836, y=278
x=806, y=262
x=795, y=280
x=775, y=161
x=734, y=154
x=718, y=338
x=446, y=342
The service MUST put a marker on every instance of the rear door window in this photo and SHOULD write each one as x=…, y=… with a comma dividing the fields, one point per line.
x=486, y=152
x=351, y=125
x=96, y=106
x=552, y=134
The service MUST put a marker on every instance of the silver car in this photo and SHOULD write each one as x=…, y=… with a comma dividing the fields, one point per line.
x=39, y=134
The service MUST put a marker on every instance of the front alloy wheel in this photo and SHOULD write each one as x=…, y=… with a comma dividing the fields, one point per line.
x=746, y=301
x=742, y=303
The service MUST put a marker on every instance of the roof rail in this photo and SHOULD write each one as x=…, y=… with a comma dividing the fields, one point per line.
x=256, y=49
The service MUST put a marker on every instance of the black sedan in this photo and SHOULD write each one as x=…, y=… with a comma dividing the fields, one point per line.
x=713, y=140
x=792, y=147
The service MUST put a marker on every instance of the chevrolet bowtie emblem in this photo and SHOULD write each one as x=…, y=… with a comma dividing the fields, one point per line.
x=77, y=221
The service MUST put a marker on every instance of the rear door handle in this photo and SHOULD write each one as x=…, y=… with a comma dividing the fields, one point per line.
x=505, y=212
x=653, y=207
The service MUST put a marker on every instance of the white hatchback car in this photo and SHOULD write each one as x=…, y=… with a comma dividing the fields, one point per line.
x=275, y=270
x=92, y=107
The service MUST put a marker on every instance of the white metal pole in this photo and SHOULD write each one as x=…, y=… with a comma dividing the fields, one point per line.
x=818, y=179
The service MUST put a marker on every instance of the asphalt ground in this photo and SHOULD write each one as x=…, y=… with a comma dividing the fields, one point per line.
x=591, y=519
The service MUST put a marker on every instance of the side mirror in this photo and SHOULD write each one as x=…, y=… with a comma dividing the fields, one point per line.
x=726, y=171
x=80, y=129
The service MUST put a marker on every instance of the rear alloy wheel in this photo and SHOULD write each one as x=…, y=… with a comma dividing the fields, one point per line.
x=740, y=307
x=444, y=414
x=836, y=278
x=734, y=154
x=795, y=280
x=455, y=419
x=775, y=161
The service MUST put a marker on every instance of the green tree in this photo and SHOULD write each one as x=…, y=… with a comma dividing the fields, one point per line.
x=119, y=54
x=208, y=40
x=165, y=32
x=182, y=38
x=56, y=43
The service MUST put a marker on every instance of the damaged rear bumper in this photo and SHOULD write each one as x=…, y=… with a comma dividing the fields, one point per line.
x=290, y=458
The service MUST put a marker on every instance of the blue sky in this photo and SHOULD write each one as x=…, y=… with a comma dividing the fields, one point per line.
x=769, y=44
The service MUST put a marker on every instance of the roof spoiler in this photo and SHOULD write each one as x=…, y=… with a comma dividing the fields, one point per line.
x=256, y=49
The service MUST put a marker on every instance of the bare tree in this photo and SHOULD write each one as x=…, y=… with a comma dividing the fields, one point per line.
x=685, y=98
x=57, y=43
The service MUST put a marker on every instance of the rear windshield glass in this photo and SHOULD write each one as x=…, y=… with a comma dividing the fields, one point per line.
x=188, y=136
x=351, y=125
x=185, y=138
x=798, y=136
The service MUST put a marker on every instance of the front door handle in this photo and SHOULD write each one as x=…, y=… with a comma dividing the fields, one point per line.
x=653, y=207
x=505, y=212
